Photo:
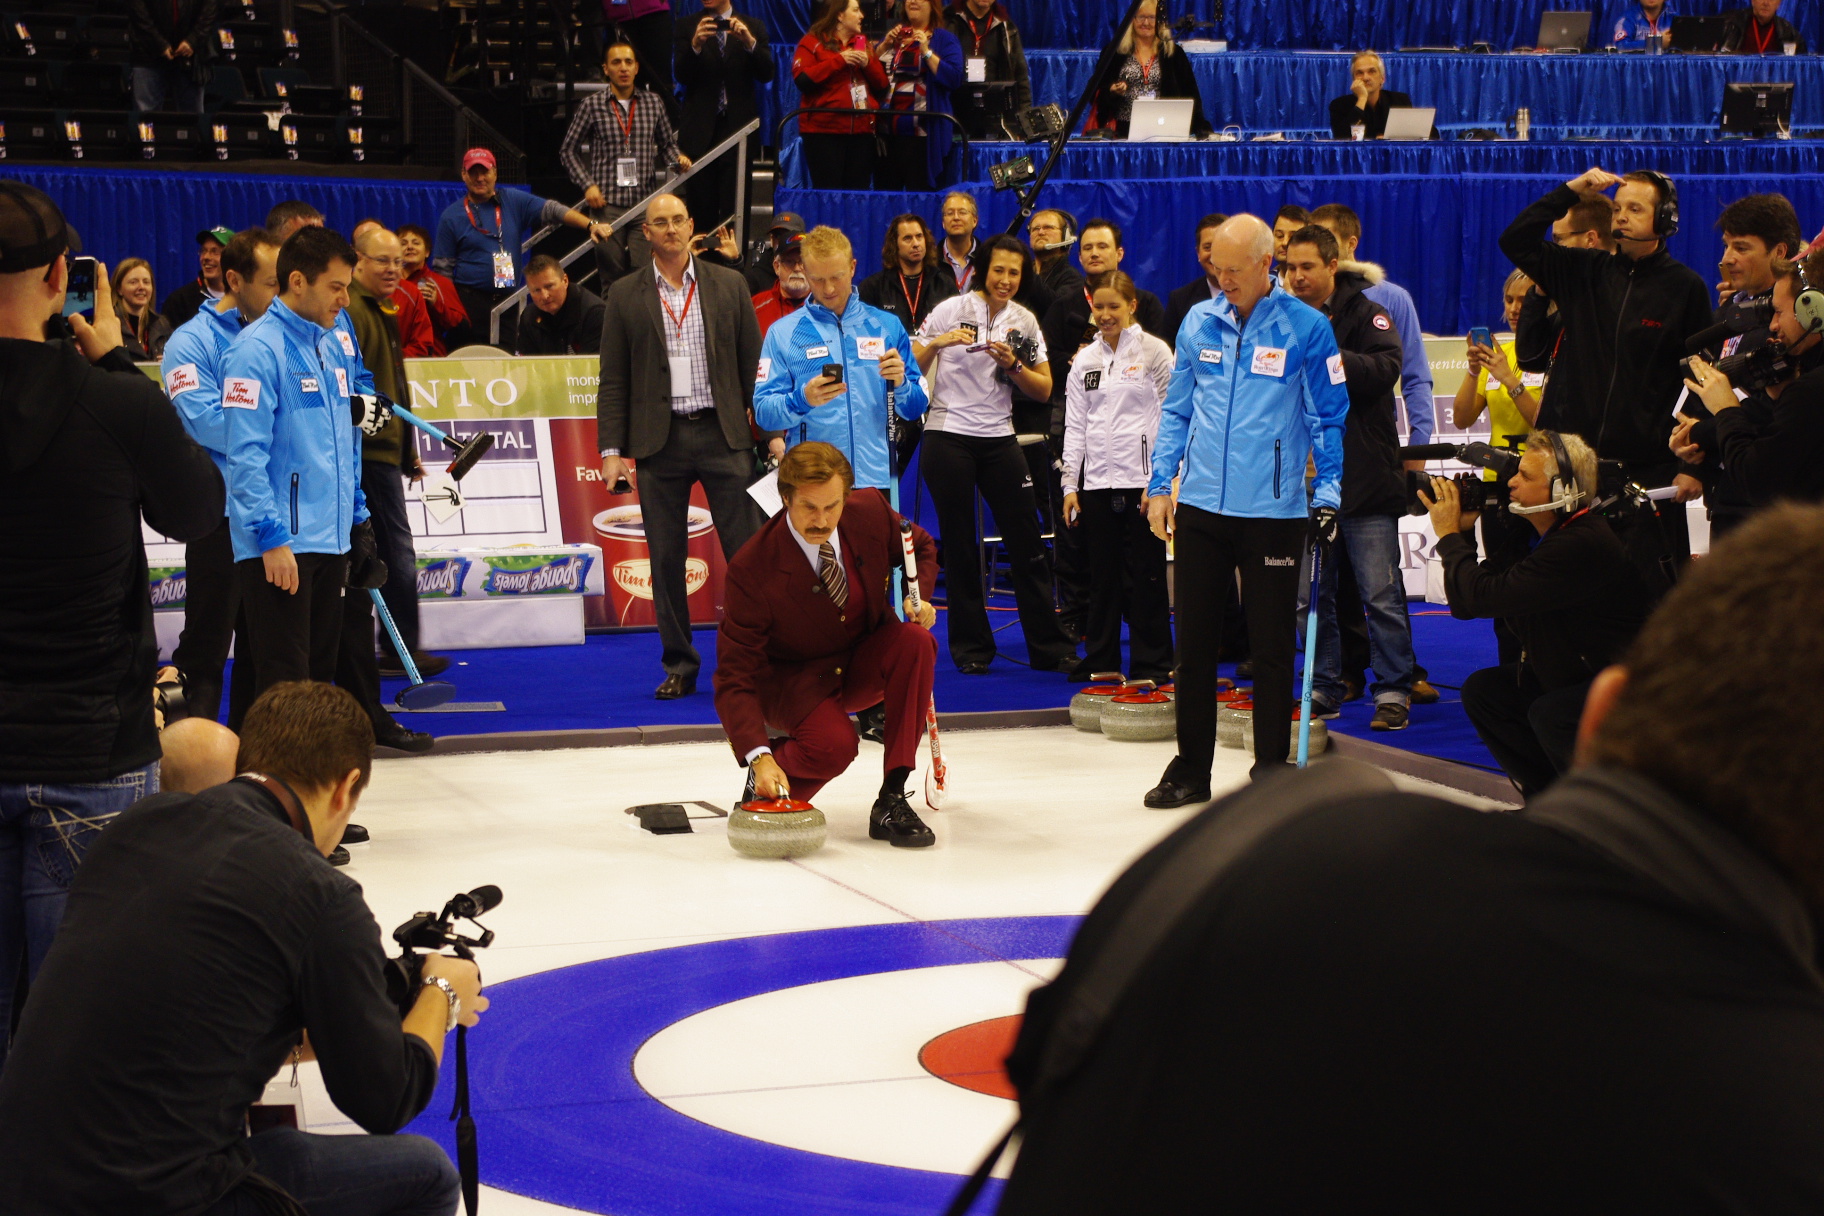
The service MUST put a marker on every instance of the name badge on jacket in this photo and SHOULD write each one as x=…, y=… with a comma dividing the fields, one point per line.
x=1210, y=355
x=1269, y=361
x=816, y=352
x=309, y=384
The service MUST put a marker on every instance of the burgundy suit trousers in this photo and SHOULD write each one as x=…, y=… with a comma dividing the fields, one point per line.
x=894, y=665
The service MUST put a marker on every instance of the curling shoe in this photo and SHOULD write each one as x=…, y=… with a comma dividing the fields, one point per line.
x=894, y=821
x=338, y=856
x=354, y=833
x=871, y=724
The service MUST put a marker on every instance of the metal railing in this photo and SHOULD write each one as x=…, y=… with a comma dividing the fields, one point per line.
x=436, y=127
x=962, y=132
x=736, y=143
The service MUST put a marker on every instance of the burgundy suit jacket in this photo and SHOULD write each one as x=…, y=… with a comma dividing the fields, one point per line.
x=782, y=646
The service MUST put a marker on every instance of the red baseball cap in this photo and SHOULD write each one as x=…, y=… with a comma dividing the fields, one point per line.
x=477, y=156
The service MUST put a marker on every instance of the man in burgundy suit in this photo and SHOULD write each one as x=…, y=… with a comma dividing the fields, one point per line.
x=809, y=634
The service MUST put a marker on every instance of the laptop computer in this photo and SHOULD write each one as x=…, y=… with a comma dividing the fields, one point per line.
x=1160, y=118
x=1703, y=34
x=1564, y=31
x=1410, y=122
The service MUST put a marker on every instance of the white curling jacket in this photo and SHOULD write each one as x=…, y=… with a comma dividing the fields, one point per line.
x=1111, y=411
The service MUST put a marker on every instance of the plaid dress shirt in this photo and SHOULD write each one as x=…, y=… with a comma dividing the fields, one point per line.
x=599, y=135
x=688, y=341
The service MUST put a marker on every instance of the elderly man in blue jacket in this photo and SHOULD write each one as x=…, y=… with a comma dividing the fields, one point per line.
x=1257, y=387
x=869, y=344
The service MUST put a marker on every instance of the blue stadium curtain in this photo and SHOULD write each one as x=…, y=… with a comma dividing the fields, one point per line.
x=1331, y=25
x=156, y=215
x=1435, y=236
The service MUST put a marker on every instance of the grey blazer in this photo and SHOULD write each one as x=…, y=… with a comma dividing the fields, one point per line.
x=633, y=401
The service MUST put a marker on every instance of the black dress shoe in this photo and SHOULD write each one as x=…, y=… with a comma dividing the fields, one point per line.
x=973, y=669
x=338, y=856
x=872, y=724
x=1169, y=793
x=354, y=833
x=429, y=665
x=675, y=686
x=894, y=821
x=405, y=740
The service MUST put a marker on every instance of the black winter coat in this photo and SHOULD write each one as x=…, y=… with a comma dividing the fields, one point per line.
x=706, y=74
x=1000, y=47
x=1575, y=601
x=1374, y=480
x=1175, y=80
x=1772, y=452
x=1625, y=323
x=575, y=329
x=1735, y=34
x=83, y=451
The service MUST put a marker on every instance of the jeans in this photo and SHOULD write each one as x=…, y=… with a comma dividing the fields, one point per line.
x=45, y=829
x=155, y=85
x=349, y=1175
x=1373, y=545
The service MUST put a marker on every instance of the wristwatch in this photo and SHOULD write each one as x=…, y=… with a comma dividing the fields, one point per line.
x=450, y=994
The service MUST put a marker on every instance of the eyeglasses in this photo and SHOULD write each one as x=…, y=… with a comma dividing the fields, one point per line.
x=667, y=225
x=385, y=263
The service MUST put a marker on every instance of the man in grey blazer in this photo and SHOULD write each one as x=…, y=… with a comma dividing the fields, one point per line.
x=680, y=347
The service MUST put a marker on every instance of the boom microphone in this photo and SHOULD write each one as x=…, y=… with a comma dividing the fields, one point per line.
x=475, y=903
x=1430, y=451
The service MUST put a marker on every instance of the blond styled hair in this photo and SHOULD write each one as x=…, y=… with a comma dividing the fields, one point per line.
x=824, y=241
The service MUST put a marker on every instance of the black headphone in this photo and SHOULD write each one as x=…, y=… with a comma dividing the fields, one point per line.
x=1665, y=216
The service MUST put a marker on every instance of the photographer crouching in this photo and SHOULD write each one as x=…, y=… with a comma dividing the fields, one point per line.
x=1776, y=452
x=1575, y=602
x=205, y=935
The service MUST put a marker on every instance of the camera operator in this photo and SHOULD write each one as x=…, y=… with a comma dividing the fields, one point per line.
x=1575, y=603
x=205, y=936
x=1626, y=319
x=1757, y=230
x=87, y=445
x=1777, y=453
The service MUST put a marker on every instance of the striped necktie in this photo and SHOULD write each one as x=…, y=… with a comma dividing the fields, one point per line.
x=830, y=571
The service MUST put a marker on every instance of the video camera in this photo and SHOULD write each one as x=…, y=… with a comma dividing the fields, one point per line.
x=1474, y=493
x=431, y=931
x=1764, y=365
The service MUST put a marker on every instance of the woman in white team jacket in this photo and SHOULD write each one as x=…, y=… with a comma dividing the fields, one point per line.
x=1111, y=419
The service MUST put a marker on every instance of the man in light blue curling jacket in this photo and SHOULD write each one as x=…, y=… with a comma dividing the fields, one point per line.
x=870, y=345
x=1257, y=388
x=294, y=462
x=192, y=374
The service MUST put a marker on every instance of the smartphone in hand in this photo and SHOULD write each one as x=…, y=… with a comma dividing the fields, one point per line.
x=1482, y=336
x=79, y=296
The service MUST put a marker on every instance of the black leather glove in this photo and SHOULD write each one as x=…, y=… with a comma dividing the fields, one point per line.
x=371, y=412
x=365, y=569
x=1323, y=525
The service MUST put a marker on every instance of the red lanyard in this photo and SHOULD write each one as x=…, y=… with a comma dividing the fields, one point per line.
x=498, y=234
x=1754, y=31
x=1146, y=72
x=979, y=34
x=627, y=122
x=910, y=298
x=675, y=318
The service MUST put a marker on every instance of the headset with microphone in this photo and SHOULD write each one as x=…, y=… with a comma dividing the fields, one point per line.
x=1808, y=304
x=1566, y=493
x=1068, y=223
x=1665, y=215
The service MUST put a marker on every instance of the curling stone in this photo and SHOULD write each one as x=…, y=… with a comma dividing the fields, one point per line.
x=1086, y=706
x=1320, y=737
x=1140, y=715
x=1234, y=720
x=776, y=827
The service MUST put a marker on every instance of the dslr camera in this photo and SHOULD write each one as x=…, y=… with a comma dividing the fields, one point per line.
x=1025, y=349
x=432, y=931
